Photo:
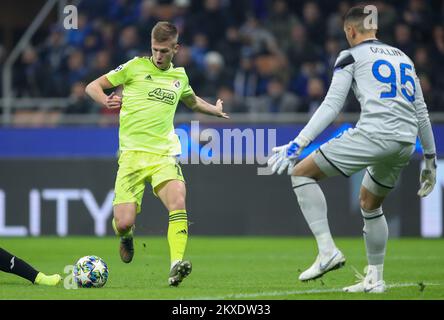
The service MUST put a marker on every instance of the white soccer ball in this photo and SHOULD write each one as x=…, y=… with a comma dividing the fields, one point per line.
x=90, y=272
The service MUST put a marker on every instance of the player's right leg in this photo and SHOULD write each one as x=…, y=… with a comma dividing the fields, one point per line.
x=314, y=208
x=129, y=188
x=123, y=225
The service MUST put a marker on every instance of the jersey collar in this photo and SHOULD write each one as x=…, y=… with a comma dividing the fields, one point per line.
x=152, y=62
x=371, y=40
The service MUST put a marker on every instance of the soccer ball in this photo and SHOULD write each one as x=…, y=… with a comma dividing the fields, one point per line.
x=90, y=271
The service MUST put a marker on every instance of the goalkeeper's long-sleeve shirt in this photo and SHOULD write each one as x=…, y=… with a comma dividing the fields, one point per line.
x=385, y=83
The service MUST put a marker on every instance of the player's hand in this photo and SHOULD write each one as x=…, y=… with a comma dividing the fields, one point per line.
x=219, y=110
x=427, y=178
x=286, y=156
x=283, y=157
x=113, y=101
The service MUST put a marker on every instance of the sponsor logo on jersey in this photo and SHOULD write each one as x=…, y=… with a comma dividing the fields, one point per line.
x=162, y=95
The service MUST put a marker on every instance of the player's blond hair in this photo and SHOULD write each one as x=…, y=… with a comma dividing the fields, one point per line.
x=164, y=31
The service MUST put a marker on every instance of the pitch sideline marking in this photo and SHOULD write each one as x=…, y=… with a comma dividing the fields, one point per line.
x=299, y=292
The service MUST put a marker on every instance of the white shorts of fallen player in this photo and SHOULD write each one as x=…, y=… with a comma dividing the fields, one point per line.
x=353, y=151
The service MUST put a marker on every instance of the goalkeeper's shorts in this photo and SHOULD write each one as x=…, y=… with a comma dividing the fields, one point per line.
x=136, y=168
x=354, y=151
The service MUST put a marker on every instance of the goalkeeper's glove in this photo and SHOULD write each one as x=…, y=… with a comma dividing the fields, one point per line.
x=286, y=156
x=428, y=176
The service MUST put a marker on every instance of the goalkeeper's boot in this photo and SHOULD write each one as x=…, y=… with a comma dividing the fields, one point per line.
x=51, y=280
x=322, y=265
x=180, y=271
x=367, y=284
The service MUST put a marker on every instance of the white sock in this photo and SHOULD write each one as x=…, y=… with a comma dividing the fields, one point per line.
x=375, y=235
x=314, y=208
x=376, y=272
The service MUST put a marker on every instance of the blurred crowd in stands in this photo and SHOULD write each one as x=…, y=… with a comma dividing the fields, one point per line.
x=277, y=53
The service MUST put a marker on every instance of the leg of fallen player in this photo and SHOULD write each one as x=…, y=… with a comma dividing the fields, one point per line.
x=12, y=264
x=313, y=205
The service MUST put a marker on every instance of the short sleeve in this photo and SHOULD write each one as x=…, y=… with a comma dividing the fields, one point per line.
x=119, y=75
x=188, y=90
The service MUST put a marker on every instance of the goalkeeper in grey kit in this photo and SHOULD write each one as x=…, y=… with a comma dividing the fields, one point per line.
x=393, y=115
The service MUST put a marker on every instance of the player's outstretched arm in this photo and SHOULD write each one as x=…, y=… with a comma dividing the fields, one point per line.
x=95, y=90
x=198, y=104
x=285, y=156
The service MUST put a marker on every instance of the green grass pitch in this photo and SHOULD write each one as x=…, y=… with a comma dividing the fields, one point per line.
x=227, y=268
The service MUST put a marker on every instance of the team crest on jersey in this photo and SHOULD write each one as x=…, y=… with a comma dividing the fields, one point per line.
x=176, y=83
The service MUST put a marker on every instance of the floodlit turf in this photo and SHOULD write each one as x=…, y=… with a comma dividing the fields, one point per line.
x=227, y=268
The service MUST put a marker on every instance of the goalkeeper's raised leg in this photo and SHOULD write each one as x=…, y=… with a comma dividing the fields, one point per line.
x=312, y=203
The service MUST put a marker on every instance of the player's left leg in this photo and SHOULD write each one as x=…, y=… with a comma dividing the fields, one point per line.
x=378, y=181
x=375, y=236
x=172, y=193
x=12, y=264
